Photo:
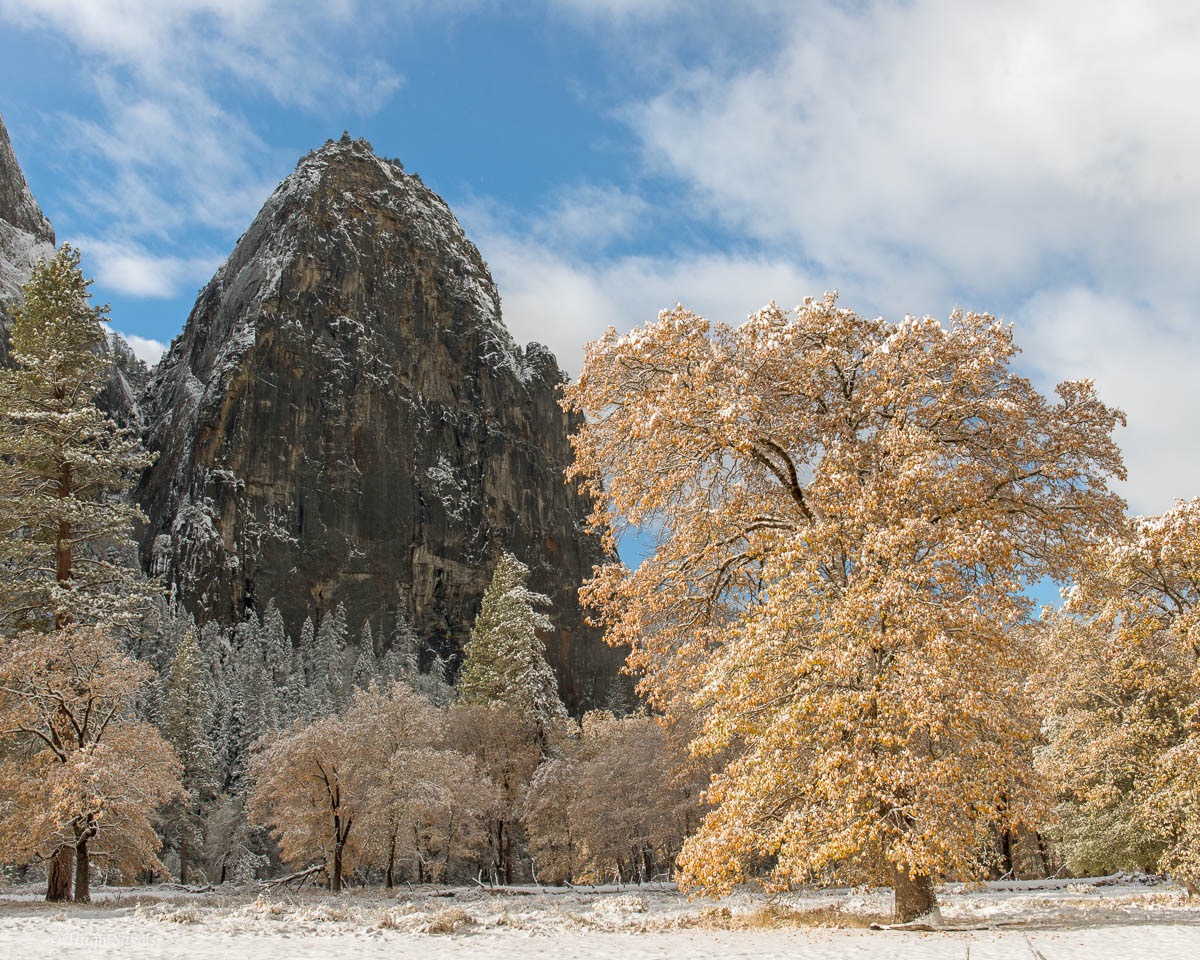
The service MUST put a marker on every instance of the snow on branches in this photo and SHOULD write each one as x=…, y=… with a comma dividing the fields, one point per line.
x=1121, y=684
x=848, y=509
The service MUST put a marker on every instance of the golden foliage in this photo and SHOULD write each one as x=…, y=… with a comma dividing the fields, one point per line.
x=845, y=511
x=80, y=766
x=370, y=787
x=619, y=803
x=1122, y=689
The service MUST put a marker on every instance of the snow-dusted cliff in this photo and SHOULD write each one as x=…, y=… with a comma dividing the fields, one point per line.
x=345, y=419
x=25, y=235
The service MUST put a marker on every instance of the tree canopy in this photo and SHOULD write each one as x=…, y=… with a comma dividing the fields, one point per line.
x=846, y=511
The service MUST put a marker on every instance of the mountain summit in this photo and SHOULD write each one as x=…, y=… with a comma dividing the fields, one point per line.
x=346, y=420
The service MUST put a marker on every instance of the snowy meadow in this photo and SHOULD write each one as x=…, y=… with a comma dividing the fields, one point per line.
x=1120, y=916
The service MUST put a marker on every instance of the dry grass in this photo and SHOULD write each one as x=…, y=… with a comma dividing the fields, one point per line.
x=773, y=916
x=396, y=918
x=450, y=920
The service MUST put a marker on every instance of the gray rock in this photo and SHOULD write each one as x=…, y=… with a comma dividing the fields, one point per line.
x=345, y=419
x=25, y=236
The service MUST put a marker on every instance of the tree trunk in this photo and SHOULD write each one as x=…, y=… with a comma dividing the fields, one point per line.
x=1006, y=853
x=389, y=875
x=499, y=871
x=183, y=862
x=62, y=545
x=58, y=884
x=913, y=895
x=83, y=887
x=335, y=874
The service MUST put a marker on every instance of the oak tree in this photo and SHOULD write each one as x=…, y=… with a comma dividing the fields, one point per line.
x=82, y=771
x=845, y=512
x=1121, y=682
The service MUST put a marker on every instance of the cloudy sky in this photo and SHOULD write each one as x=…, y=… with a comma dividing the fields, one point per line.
x=1036, y=160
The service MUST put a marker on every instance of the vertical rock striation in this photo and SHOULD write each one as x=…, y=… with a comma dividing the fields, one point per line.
x=345, y=419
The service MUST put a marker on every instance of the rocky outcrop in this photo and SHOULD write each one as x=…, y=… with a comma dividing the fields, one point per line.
x=345, y=419
x=25, y=236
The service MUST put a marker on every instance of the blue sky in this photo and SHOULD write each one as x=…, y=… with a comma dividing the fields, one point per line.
x=610, y=157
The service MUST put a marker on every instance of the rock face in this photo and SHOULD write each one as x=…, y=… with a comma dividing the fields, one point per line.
x=345, y=419
x=25, y=235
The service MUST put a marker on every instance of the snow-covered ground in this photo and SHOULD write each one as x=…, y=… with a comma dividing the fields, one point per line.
x=1048, y=920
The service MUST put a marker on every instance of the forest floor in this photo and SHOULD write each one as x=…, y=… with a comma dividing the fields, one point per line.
x=1042, y=920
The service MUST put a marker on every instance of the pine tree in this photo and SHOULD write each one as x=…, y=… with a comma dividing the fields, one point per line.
x=258, y=700
x=277, y=648
x=235, y=740
x=505, y=660
x=297, y=700
x=403, y=655
x=65, y=526
x=366, y=667
x=188, y=697
x=328, y=680
x=308, y=651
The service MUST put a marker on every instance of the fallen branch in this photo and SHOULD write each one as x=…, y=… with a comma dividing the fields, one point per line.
x=507, y=891
x=188, y=888
x=300, y=878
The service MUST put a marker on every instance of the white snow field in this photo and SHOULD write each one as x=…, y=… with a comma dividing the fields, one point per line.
x=1047, y=920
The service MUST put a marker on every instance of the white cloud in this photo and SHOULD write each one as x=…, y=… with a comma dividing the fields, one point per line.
x=1143, y=359
x=591, y=216
x=134, y=270
x=147, y=350
x=563, y=299
x=277, y=46
x=994, y=141
x=618, y=11
x=1041, y=159
x=170, y=150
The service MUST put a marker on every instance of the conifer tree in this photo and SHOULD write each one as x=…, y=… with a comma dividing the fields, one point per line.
x=402, y=657
x=329, y=679
x=258, y=699
x=235, y=740
x=309, y=655
x=297, y=700
x=277, y=648
x=187, y=699
x=366, y=667
x=65, y=529
x=505, y=659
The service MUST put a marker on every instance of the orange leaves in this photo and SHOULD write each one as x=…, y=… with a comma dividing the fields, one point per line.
x=848, y=509
x=81, y=756
x=1121, y=685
